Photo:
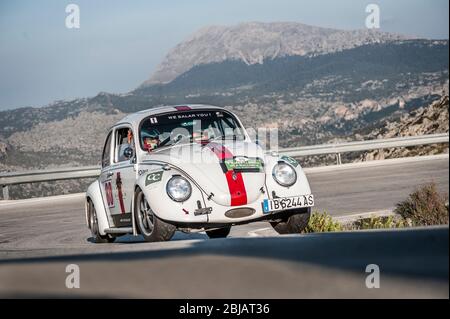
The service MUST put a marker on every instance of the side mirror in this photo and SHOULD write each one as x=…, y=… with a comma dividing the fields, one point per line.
x=128, y=153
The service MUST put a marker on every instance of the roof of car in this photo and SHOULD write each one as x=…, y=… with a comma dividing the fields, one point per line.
x=136, y=118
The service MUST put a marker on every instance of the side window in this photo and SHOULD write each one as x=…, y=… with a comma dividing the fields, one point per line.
x=107, y=152
x=124, y=140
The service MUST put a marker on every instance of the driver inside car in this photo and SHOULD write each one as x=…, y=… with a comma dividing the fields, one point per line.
x=123, y=146
x=151, y=142
x=200, y=137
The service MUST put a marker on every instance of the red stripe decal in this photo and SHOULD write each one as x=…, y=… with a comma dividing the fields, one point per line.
x=235, y=185
x=182, y=108
x=237, y=189
x=119, y=190
x=221, y=151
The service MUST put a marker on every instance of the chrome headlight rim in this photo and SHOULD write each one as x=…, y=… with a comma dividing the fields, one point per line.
x=281, y=183
x=170, y=194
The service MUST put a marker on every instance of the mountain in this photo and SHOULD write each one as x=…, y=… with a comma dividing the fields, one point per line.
x=387, y=63
x=255, y=42
x=430, y=119
x=315, y=98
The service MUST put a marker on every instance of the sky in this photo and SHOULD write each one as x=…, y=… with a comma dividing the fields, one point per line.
x=120, y=43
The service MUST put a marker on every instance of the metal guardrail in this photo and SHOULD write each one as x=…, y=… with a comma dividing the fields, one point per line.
x=367, y=145
x=26, y=177
x=16, y=178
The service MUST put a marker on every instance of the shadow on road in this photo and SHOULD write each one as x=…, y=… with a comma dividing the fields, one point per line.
x=411, y=252
x=130, y=239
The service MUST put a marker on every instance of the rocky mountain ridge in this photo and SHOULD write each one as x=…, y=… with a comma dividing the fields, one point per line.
x=254, y=42
x=430, y=119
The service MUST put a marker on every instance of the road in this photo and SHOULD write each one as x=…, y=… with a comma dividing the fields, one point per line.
x=377, y=186
x=39, y=237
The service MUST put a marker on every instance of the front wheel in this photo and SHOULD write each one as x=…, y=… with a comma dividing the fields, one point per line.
x=293, y=224
x=218, y=233
x=151, y=227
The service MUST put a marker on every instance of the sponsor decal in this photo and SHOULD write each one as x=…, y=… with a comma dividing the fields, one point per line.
x=122, y=220
x=153, y=120
x=142, y=171
x=243, y=163
x=290, y=160
x=188, y=123
x=188, y=116
x=153, y=178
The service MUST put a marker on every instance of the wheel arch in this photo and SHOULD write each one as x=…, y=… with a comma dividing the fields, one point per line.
x=133, y=219
x=94, y=195
x=87, y=208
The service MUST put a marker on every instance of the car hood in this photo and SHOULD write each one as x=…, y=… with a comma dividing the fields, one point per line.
x=226, y=170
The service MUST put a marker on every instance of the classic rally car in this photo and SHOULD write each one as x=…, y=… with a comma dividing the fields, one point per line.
x=191, y=168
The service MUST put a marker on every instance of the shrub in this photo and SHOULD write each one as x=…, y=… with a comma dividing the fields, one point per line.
x=424, y=207
x=322, y=222
x=379, y=223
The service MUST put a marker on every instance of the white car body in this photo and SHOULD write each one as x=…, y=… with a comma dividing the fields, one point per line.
x=219, y=197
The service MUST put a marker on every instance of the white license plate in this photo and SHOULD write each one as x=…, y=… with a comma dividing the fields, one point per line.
x=278, y=204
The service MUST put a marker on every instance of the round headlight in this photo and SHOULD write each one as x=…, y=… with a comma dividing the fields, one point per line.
x=284, y=174
x=179, y=189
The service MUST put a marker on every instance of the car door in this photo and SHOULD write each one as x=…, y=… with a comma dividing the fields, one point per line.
x=106, y=174
x=123, y=175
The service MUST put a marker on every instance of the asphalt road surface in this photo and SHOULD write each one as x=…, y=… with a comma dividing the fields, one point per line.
x=38, y=238
x=378, y=187
x=412, y=264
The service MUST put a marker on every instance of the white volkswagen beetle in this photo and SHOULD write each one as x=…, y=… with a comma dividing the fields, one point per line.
x=191, y=168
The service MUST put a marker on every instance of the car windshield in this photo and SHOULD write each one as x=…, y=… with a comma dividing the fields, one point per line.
x=194, y=126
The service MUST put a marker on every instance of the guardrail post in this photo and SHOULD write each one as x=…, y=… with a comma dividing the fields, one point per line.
x=338, y=159
x=5, y=191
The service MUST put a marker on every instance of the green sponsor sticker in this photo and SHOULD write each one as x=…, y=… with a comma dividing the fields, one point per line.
x=153, y=178
x=188, y=123
x=290, y=160
x=243, y=163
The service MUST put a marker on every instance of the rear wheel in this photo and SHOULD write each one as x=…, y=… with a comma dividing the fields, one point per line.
x=218, y=233
x=293, y=224
x=151, y=227
x=93, y=225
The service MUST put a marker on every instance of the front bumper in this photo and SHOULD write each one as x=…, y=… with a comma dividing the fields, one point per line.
x=280, y=215
x=215, y=215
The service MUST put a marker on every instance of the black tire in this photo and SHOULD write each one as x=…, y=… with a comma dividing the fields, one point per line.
x=218, y=233
x=294, y=224
x=93, y=225
x=149, y=225
x=110, y=239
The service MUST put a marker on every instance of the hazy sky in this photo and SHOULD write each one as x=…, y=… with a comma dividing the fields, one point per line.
x=119, y=43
